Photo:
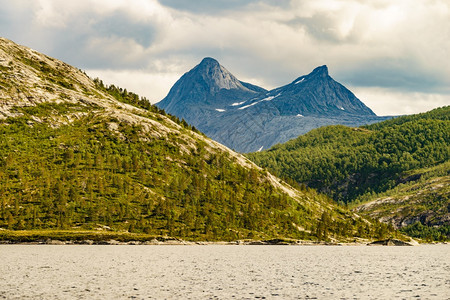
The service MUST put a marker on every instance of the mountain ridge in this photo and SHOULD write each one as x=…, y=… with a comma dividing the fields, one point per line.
x=298, y=100
x=250, y=121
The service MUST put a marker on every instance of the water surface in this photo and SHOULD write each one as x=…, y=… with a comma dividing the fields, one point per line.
x=224, y=272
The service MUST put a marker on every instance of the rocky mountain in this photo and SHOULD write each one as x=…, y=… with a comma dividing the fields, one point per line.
x=77, y=156
x=315, y=94
x=198, y=93
x=248, y=118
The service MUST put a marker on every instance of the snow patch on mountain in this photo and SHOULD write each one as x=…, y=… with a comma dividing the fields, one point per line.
x=300, y=81
x=270, y=98
x=267, y=98
x=244, y=107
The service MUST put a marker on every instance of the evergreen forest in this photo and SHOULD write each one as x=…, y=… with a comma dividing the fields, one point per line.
x=355, y=165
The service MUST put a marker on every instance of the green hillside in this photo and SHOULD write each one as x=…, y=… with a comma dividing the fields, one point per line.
x=78, y=156
x=349, y=162
x=419, y=207
x=404, y=160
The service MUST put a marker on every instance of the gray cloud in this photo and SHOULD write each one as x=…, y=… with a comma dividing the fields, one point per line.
x=15, y=20
x=401, y=74
x=120, y=25
x=217, y=6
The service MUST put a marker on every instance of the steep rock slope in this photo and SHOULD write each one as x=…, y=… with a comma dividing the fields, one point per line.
x=75, y=155
x=198, y=93
x=257, y=120
x=315, y=94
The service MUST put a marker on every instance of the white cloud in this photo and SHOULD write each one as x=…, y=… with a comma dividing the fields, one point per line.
x=117, y=48
x=153, y=86
x=388, y=102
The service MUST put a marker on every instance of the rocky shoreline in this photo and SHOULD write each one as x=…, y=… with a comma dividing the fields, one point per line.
x=389, y=242
x=160, y=242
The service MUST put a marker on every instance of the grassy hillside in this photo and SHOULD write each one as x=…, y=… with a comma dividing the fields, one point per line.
x=78, y=155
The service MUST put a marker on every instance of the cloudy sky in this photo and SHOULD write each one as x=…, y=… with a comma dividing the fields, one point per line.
x=393, y=54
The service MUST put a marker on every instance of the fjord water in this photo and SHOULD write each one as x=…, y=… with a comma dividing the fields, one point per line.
x=224, y=272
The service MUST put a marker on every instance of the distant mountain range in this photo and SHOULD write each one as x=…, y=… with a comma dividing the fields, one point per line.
x=249, y=118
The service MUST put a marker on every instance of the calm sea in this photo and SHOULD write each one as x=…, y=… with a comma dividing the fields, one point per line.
x=224, y=272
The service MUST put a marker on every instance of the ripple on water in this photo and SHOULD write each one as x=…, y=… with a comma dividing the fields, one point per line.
x=253, y=272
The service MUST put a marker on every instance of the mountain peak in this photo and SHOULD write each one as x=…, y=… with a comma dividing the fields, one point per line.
x=321, y=71
x=209, y=61
x=215, y=76
x=207, y=84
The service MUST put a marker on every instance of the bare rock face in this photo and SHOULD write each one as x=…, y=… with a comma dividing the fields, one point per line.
x=248, y=118
x=28, y=78
x=315, y=94
x=216, y=77
x=203, y=89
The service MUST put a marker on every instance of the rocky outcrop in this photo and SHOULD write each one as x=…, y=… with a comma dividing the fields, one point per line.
x=426, y=201
x=389, y=242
